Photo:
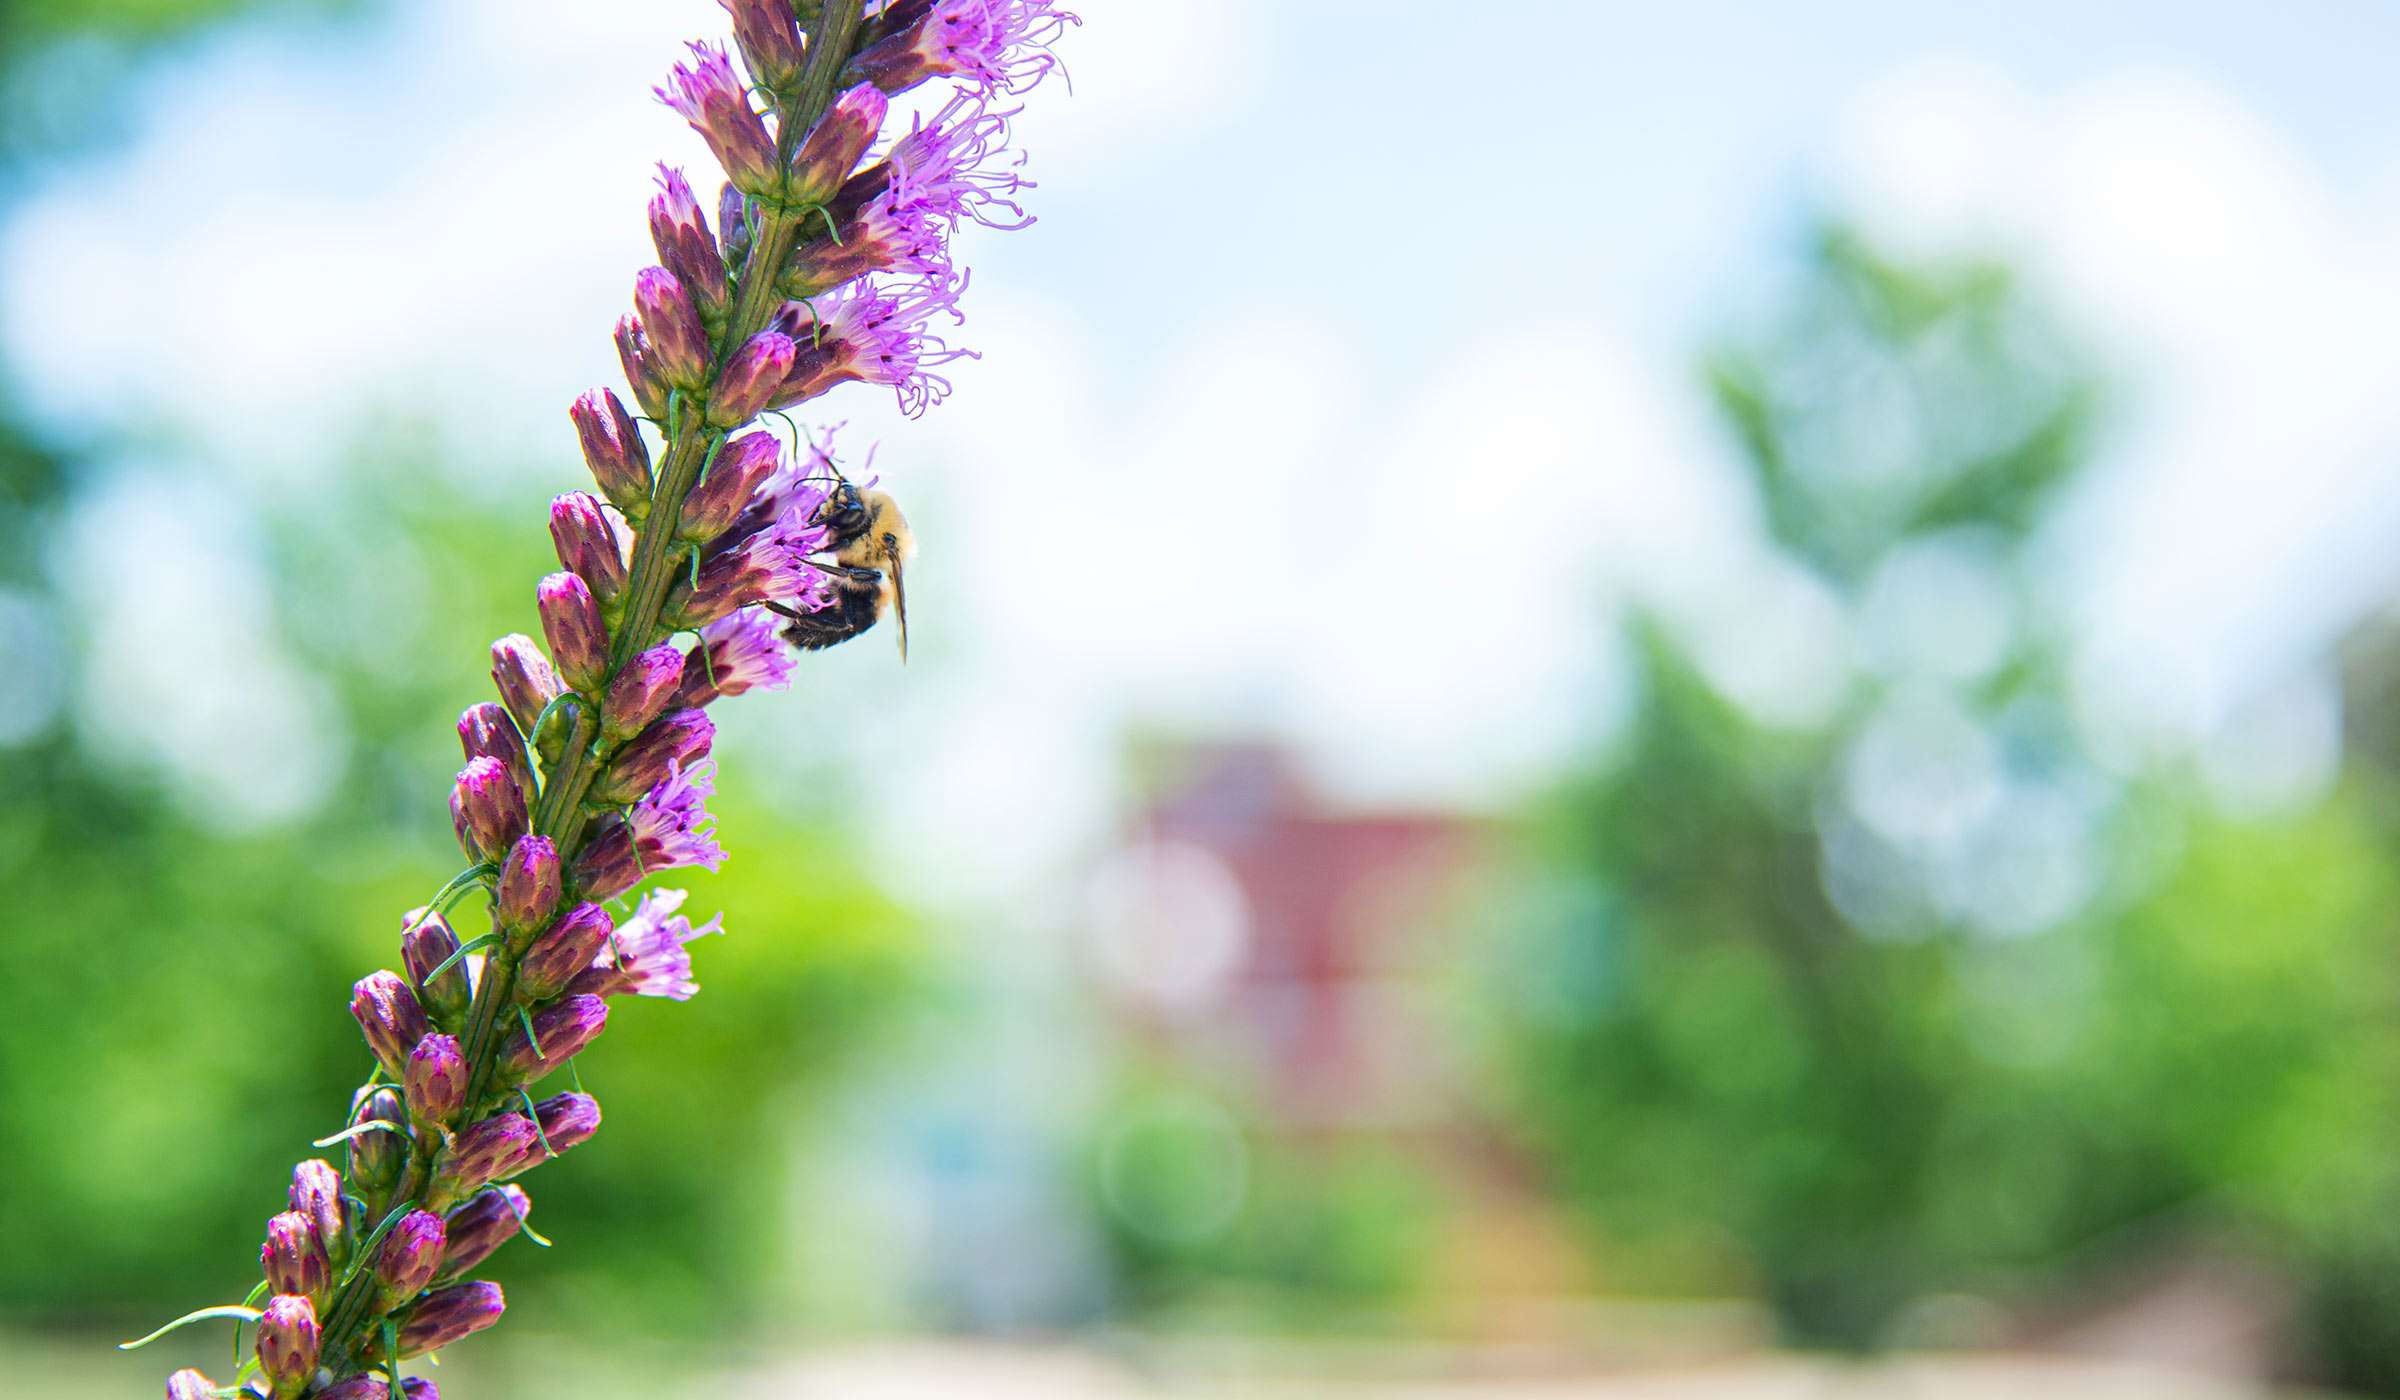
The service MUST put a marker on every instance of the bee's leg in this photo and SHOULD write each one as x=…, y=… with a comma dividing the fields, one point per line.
x=857, y=602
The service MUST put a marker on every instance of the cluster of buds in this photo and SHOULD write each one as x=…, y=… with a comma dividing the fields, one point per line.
x=592, y=769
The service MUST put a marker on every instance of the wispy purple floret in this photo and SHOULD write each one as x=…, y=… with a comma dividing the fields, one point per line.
x=669, y=828
x=738, y=653
x=999, y=45
x=647, y=957
x=707, y=93
x=881, y=223
x=876, y=335
x=769, y=562
x=959, y=165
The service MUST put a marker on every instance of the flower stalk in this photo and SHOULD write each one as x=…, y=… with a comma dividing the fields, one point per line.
x=592, y=772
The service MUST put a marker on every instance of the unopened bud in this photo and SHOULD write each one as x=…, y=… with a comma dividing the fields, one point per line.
x=633, y=352
x=640, y=691
x=676, y=741
x=833, y=146
x=560, y=1031
x=610, y=862
x=735, y=475
x=379, y=1156
x=477, y=1155
x=393, y=1022
x=488, y=731
x=567, y=1120
x=733, y=224
x=316, y=1192
x=614, y=450
x=410, y=1257
x=563, y=950
x=287, y=1344
x=482, y=1225
x=487, y=808
x=530, y=884
x=678, y=342
x=591, y=545
x=435, y=1082
x=769, y=39
x=578, y=637
x=685, y=245
x=293, y=1258
x=447, y=1314
x=750, y=380
x=708, y=95
x=524, y=678
x=427, y=943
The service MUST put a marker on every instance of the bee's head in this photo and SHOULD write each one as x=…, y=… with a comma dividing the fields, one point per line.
x=844, y=513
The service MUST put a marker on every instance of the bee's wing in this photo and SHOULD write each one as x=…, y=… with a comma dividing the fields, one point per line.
x=899, y=601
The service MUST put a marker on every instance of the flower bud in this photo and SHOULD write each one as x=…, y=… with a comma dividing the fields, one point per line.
x=487, y=807
x=377, y=1158
x=448, y=1314
x=633, y=352
x=563, y=950
x=426, y=942
x=560, y=1031
x=529, y=885
x=478, y=1155
x=750, y=380
x=735, y=476
x=578, y=638
x=769, y=38
x=833, y=146
x=640, y=691
x=685, y=245
x=733, y=224
x=589, y=543
x=678, y=740
x=524, y=679
x=482, y=1225
x=287, y=1344
x=610, y=862
x=293, y=1258
x=435, y=1082
x=410, y=1257
x=388, y=1013
x=712, y=99
x=370, y=1385
x=567, y=1120
x=190, y=1385
x=488, y=731
x=678, y=342
x=614, y=450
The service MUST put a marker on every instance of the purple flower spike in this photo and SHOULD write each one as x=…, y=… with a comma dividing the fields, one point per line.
x=734, y=477
x=769, y=40
x=377, y=1158
x=648, y=383
x=488, y=731
x=190, y=1385
x=435, y=1082
x=287, y=1344
x=410, y=1257
x=678, y=342
x=578, y=637
x=559, y=1033
x=752, y=378
x=589, y=543
x=477, y=1155
x=293, y=1258
x=530, y=885
x=834, y=145
x=641, y=690
x=524, y=678
x=449, y=1314
x=568, y=1120
x=707, y=94
x=481, y=1226
x=739, y=653
x=613, y=449
x=388, y=1013
x=674, y=742
x=647, y=956
x=563, y=951
x=487, y=807
x=426, y=942
x=685, y=245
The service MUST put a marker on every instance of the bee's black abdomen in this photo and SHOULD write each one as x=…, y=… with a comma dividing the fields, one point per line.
x=857, y=603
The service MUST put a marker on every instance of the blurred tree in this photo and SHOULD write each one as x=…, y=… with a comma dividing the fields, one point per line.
x=1923, y=998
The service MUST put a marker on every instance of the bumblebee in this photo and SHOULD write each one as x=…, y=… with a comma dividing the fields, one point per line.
x=870, y=544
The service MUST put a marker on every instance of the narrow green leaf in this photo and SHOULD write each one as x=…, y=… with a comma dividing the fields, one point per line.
x=372, y=1125
x=473, y=945
x=229, y=1310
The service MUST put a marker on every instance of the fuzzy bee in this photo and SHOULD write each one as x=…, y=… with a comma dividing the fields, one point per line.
x=870, y=544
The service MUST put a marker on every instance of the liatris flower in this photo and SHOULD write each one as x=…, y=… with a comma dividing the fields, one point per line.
x=647, y=956
x=448, y=1314
x=288, y=1341
x=589, y=774
x=482, y=1225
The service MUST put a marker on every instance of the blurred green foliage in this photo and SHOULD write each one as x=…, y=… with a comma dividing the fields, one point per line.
x=1818, y=1011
